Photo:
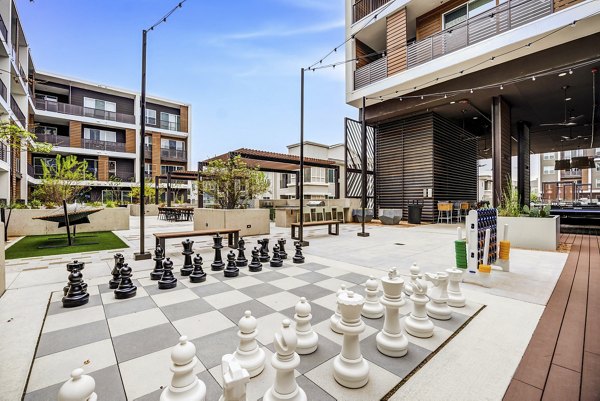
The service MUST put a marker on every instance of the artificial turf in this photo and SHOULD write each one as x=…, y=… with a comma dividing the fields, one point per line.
x=29, y=246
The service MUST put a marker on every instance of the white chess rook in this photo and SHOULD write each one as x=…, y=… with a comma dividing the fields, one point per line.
x=308, y=340
x=418, y=323
x=350, y=369
x=438, y=307
x=415, y=273
x=79, y=387
x=372, y=308
x=185, y=385
x=284, y=361
x=391, y=341
x=335, y=318
x=248, y=354
x=235, y=379
x=456, y=298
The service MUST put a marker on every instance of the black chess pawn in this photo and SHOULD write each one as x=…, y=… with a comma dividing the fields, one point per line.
x=159, y=256
x=217, y=263
x=276, y=261
x=126, y=289
x=167, y=280
x=79, y=266
x=298, y=257
x=114, y=282
x=241, y=260
x=282, y=252
x=231, y=270
x=264, y=250
x=255, y=265
x=187, y=253
x=76, y=296
x=198, y=274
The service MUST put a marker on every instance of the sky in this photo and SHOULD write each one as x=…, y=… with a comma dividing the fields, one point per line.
x=236, y=62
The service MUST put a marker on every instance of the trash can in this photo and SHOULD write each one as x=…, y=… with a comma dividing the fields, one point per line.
x=414, y=213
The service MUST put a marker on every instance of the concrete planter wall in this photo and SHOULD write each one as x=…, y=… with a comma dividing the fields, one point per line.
x=249, y=221
x=149, y=210
x=2, y=265
x=540, y=233
x=108, y=219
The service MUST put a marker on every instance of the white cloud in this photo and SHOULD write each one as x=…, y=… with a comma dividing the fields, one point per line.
x=275, y=32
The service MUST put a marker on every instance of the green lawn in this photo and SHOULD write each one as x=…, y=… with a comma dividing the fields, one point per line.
x=29, y=246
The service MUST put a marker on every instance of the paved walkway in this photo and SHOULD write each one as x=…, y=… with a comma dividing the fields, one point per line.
x=562, y=361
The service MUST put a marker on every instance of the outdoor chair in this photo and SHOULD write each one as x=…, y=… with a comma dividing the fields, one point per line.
x=444, y=212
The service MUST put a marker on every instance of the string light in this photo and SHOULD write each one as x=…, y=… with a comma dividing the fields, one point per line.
x=471, y=90
x=570, y=71
x=501, y=87
x=533, y=78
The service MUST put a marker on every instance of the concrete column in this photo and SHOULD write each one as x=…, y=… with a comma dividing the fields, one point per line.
x=523, y=158
x=501, y=152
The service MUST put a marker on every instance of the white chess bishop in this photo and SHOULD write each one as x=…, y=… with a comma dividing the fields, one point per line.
x=185, y=385
x=235, y=379
x=284, y=361
x=79, y=387
x=248, y=354
x=391, y=341
x=372, y=309
x=308, y=340
x=335, y=318
x=456, y=298
x=438, y=307
x=417, y=323
x=415, y=273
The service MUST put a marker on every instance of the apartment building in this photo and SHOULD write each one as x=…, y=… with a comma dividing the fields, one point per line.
x=569, y=185
x=449, y=82
x=95, y=122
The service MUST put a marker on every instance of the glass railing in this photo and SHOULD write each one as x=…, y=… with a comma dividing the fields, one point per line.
x=173, y=154
x=58, y=140
x=3, y=91
x=103, y=145
x=172, y=126
x=65, y=108
x=17, y=111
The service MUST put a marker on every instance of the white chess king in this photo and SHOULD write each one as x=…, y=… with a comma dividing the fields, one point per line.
x=248, y=354
x=185, y=385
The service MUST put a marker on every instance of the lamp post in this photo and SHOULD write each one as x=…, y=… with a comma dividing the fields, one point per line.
x=363, y=132
x=301, y=176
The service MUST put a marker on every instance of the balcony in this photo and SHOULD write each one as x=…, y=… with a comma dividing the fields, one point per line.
x=571, y=174
x=73, y=109
x=3, y=30
x=362, y=8
x=17, y=111
x=173, y=155
x=3, y=91
x=53, y=139
x=170, y=125
x=147, y=151
x=96, y=144
x=372, y=72
x=3, y=152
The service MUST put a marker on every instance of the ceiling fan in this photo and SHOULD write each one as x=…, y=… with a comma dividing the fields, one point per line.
x=569, y=120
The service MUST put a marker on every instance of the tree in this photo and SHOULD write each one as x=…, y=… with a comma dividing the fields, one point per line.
x=16, y=137
x=64, y=180
x=232, y=183
x=149, y=191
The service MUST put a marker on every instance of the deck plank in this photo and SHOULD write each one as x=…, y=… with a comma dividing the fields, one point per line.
x=517, y=390
x=592, y=328
x=562, y=385
x=590, y=378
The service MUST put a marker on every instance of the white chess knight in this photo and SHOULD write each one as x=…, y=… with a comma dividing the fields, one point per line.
x=335, y=318
x=456, y=298
x=372, y=308
x=438, y=307
x=235, y=379
x=391, y=341
x=415, y=273
x=185, y=385
x=79, y=387
x=417, y=323
x=284, y=361
x=248, y=354
x=308, y=340
x=350, y=369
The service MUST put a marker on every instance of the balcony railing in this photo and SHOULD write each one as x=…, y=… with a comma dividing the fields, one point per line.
x=173, y=126
x=3, y=91
x=73, y=109
x=17, y=111
x=502, y=18
x=372, y=72
x=573, y=173
x=103, y=145
x=362, y=8
x=3, y=152
x=173, y=154
x=148, y=151
x=58, y=140
x=3, y=30
x=22, y=72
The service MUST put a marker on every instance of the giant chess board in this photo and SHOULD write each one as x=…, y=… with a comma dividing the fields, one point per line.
x=125, y=345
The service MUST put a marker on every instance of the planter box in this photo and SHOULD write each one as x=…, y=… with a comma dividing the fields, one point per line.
x=540, y=233
x=249, y=221
x=150, y=210
x=390, y=216
x=2, y=265
x=108, y=219
x=357, y=215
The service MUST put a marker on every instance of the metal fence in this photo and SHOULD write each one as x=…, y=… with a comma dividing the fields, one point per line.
x=372, y=72
x=362, y=8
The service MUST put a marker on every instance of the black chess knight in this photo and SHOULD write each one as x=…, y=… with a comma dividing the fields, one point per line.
x=264, y=250
x=126, y=289
x=114, y=282
x=76, y=295
x=241, y=260
x=276, y=261
x=198, y=275
x=217, y=263
x=167, y=280
x=255, y=265
x=298, y=257
x=231, y=270
x=187, y=253
x=159, y=256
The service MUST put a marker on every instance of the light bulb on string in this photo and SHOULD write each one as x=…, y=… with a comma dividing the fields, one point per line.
x=533, y=78
x=501, y=87
x=471, y=90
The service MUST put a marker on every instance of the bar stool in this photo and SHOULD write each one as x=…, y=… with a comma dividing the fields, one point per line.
x=464, y=210
x=444, y=212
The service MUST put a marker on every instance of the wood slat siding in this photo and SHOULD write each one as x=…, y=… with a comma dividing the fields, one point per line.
x=155, y=154
x=396, y=42
x=103, y=168
x=560, y=4
x=501, y=148
x=183, y=119
x=362, y=50
x=130, y=140
x=431, y=22
x=75, y=134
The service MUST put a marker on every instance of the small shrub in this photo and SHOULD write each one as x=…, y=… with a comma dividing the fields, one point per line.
x=50, y=205
x=95, y=204
x=110, y=204
x=35, y=204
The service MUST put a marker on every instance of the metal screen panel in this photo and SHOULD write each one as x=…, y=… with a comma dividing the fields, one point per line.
x=354, y=161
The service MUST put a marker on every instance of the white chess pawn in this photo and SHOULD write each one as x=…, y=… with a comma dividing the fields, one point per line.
x=391, y=341
x=438, y=307
x=235, y=379
x=456, y=298
x=79, y=387
x=284, y=361
x=335, y=318
x=418, y=323
x=308, y=340
x=248, y=354
x=350, y=369
x=415, y=273
x=372, y=308
x=185, y=385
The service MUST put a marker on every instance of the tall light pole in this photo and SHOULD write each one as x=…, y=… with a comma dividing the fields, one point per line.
x=363, y=134
x=301, y=176
x=142, y=254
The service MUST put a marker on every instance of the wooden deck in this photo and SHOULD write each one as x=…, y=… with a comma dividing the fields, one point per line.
x=562, y=360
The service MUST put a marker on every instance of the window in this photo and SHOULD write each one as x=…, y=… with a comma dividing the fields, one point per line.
x=487, y=185
x=549, y=156
x=150, y=116
x=331, y=175
x=165, y=168
x=45, y=130
x=96, y=104
x=38, y=170
x=95, y=134
x=317, y=175
x=112, y=168
x=455, y=17
x=49, y=98
x=548, y=169
x=148, y=169
x=169, y=121
x=597, y=182
x=172, y=144
x=468, y=10
x=92, y=167
x=597, y=166
x=283, y=180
